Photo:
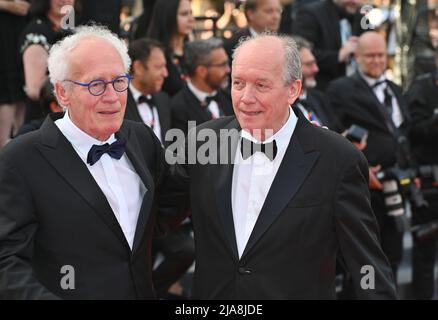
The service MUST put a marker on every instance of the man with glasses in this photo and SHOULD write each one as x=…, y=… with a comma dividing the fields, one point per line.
x=202, y=99
x=78, y=200
x=368, y=99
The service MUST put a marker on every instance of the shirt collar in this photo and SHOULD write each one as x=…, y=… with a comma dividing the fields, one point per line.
x=78, y=138
x=371, y=81
x=282, y=136
x=199, y=94
x=253, y=32
x=136, y=93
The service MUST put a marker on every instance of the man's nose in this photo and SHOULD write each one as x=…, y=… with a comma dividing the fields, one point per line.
x=110, y=94
x=248, y=96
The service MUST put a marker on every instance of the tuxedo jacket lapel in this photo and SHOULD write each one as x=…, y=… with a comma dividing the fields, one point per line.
x=194, y=104
x=375, y=107
x=294, y=168
x=317, y=108
x=131, y=111
x=60, y=154
x=223, y=177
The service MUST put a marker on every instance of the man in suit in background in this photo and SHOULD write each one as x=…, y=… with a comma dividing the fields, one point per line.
x=313, y=103
x=373, y=102
x=202, y=98
x=262, y=16
x=78, y=197
x=146, y=102
x=332, y=26
x=286, y=196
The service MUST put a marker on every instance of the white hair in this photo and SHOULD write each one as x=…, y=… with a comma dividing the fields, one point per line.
x=59, y=60
x=292, y=63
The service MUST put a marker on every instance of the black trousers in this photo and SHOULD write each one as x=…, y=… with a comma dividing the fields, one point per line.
x=424, y=252
x=178, y=249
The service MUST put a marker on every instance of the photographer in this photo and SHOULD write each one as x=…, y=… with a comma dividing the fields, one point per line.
x=367, y=99
x=422, y=98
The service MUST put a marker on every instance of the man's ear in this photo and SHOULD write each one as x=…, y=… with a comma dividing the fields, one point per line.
x=62, y=95
x=250, y=15
x=201, y=71
x=294, y=91
x=136, y=66
x=54, y=107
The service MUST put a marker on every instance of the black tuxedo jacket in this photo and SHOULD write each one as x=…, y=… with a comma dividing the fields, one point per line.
x=186, y=107
x=53, y=214
x=319, y=103
x=163, y=107
x=230, y=44
x=318, y=206
x=354, y=102
x=318, y=22
x=422, y=98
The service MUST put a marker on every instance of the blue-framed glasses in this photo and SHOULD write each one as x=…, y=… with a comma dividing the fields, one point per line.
x=98, y=87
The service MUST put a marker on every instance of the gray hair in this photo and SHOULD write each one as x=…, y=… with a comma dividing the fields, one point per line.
x=302, y=43
x=198, y=52
x=292, y=66
x=59, y=60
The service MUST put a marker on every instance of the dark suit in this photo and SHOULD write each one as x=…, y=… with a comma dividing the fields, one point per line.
x=317, y=205
x=318, y=22
x=52, y=213
x=162, y=101
x=177, y=247
x=317, y=102
x=186, y=107
x=105, y=13
x=355, y=102
x=230, y=44
x=422, y=98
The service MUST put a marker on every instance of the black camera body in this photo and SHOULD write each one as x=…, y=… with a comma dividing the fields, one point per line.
x=356, y=134
x=399, y=184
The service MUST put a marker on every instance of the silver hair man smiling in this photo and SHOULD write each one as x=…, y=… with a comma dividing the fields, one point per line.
x=78, y=201
x=270, y=225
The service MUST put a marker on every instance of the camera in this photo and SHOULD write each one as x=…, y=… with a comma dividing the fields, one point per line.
x=398, y=184
x=356, y=134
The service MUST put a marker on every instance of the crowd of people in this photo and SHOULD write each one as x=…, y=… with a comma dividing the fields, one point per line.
x=85, y=118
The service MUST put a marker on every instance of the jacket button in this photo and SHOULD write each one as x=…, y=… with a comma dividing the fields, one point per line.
x=243, y=271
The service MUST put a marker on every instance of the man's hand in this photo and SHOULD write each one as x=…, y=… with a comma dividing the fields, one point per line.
x=348, y=49
x=374, y=183
x=17, y=7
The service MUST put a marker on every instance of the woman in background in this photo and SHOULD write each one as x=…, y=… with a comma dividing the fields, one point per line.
x=172, y=23
x=37, y=38
x=12, y=22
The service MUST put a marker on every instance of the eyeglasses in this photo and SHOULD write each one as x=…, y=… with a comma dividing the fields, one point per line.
x=98, y=87
x=218, y=65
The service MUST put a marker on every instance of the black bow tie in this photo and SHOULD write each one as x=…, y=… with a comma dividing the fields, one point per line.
x=212, y=98
x=248, y=148
x=378, y=83
x=115, y=150
x=150, y=101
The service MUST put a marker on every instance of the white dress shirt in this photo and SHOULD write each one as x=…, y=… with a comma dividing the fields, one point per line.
x=201, y=96
x=252, y=179
x=117, y=179
x=146, y=112
x=379, y=91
